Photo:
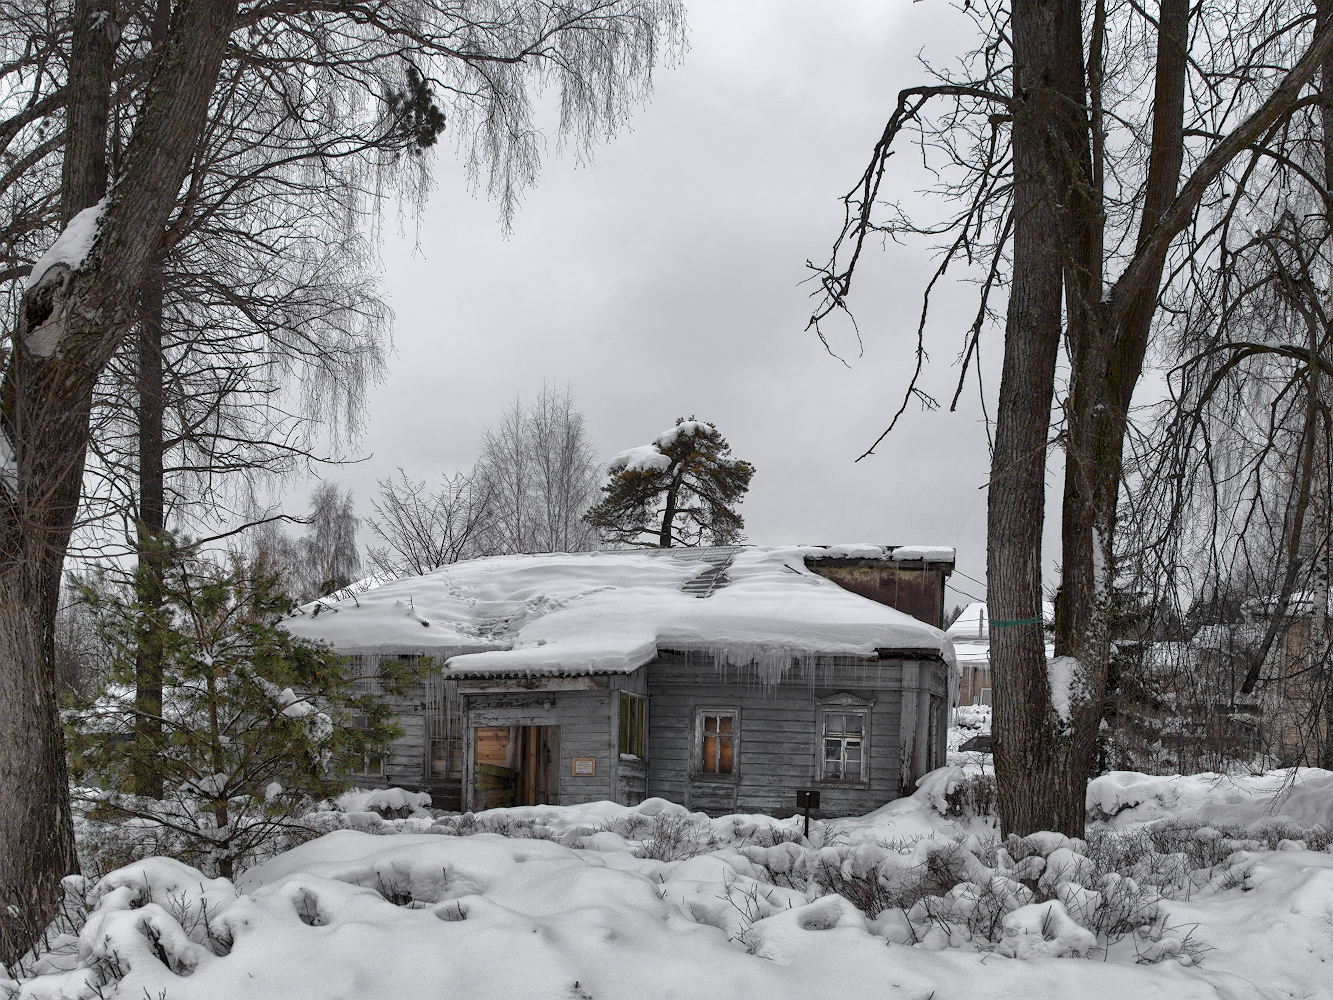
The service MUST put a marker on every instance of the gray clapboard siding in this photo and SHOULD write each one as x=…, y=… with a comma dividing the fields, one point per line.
x=406, y=752
x=778, y=740
x=631, y=781
x=585, y=731
x=778, y=744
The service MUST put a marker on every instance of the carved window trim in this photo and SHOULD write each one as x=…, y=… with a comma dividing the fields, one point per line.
x=830, y=710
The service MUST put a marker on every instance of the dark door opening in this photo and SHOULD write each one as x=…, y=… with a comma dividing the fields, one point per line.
x=515, y=766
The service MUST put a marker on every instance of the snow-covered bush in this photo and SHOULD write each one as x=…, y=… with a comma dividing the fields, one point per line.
x=677, y=837
x=976, y=795
x=251, y=727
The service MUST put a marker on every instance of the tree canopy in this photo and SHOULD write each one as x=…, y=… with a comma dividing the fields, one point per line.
x=684, y=488
x=253, y=725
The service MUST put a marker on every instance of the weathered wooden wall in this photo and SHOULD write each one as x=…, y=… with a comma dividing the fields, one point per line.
x=584, y=718
x=778, y=743
x=914, y=588
x=409, y=765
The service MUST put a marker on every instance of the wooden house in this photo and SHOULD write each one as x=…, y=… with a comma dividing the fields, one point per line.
x=724, y=679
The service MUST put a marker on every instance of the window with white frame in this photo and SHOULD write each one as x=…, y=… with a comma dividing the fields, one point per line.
x=843, y=732
x=717, y=741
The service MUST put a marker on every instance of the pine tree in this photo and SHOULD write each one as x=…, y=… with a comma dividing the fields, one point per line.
x=254, y=725
x=686, y=475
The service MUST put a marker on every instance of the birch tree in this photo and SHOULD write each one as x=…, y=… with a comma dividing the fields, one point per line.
x=538, y=473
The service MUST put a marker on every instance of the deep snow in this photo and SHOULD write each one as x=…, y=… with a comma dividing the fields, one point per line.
x=607, y=901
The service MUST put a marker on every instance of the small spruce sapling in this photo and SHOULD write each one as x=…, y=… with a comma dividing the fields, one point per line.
x=254, y=724
x=683, y=488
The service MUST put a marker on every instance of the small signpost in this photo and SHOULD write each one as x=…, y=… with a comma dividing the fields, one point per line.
x=807, y=799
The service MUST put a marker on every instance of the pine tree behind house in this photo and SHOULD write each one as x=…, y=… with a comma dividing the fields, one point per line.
x=683, y=488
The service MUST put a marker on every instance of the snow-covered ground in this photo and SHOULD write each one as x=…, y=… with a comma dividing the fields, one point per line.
x=969, y=721
x=1200, y=886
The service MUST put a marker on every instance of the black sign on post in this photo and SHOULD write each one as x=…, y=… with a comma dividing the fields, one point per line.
x=807, y=799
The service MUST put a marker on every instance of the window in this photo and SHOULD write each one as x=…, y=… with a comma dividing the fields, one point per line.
x=718, y=732
x=843, y=741
x=843, y=734
x=368, y=764
x=634, y=725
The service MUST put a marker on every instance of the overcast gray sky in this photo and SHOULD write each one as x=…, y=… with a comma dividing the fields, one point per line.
x=663, y=279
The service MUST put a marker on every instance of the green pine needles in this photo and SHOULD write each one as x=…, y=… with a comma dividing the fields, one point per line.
x=683, y=489
x=251, y=725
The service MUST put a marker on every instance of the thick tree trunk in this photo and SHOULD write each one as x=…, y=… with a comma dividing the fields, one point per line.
x=1105, y=366
x=36, y=828
x=72, y=323
x=1018, y=465
x=152, y=519
x=83, y=173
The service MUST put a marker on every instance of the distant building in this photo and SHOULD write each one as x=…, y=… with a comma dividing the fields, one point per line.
x=723, y=678
x=970, y=633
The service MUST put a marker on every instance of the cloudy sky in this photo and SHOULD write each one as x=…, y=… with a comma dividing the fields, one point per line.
x=663, y=279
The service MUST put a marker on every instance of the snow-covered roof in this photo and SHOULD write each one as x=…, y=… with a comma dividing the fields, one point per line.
x=895, y=553
x=605, y=612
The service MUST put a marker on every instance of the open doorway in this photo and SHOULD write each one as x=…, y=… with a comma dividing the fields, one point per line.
x=515, y=766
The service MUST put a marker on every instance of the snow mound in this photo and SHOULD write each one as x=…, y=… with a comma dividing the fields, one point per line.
x=73, y=245
x=382, y=800
x=603, y=900
x=1301, y=797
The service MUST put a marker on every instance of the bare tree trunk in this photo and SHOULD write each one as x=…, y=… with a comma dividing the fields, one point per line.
x=1324, y=532
x=1105, y=366
x=83, y=174
x=152, y=519
x=1018, y=464
x=36, y=827
x=71, y=325
x=664, y=539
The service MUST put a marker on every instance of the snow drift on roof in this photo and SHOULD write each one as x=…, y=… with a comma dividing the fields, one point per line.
x=602, y=612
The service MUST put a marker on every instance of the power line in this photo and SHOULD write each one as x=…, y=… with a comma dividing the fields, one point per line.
x=980, y=583
x=963, y=592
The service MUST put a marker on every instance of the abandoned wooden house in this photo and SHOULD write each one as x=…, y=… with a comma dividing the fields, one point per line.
x=724, y=679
